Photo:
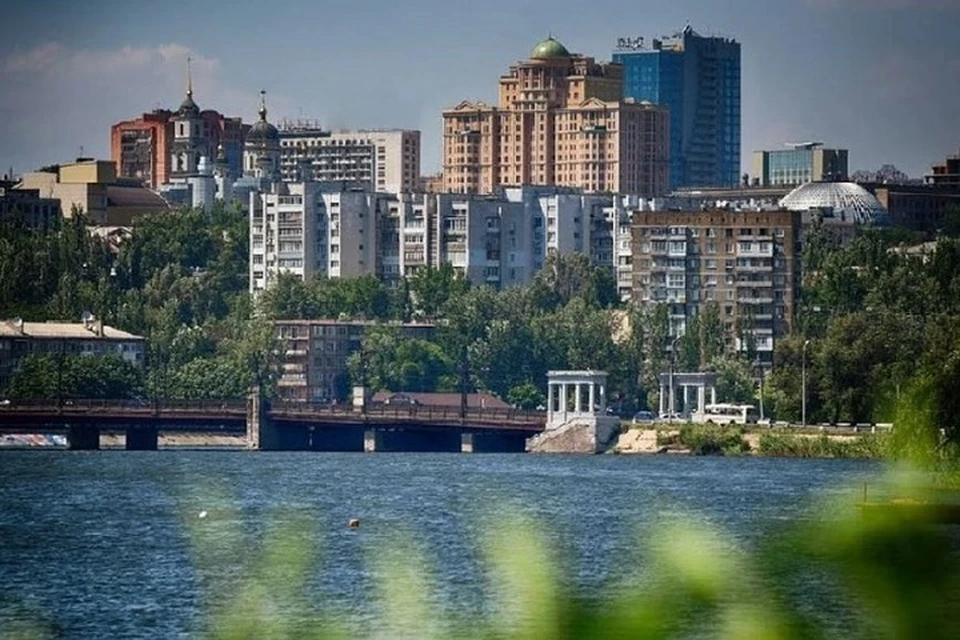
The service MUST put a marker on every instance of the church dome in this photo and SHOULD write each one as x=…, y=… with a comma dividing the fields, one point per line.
x=188, y=108
x=847, y=197
x=262, y=132
x=549, y=49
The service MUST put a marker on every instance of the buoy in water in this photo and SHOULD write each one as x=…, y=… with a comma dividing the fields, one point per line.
x=353, y=523
x=202, y=514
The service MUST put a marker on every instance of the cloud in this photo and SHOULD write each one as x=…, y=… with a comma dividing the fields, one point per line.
x=59, y=99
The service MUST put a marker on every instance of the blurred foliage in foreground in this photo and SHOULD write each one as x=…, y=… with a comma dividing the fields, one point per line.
x=894, y=574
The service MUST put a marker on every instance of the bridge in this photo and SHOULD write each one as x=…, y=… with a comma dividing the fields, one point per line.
x=281, y=426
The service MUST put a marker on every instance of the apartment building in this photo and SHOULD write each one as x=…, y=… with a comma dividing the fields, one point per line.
x=560, y=120
x=313, y=229
x=19, y=339
x=387, y=160
x=316, y=354
x=747, y=263
x=26, y=207
x=501, y=240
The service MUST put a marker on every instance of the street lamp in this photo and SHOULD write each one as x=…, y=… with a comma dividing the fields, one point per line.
x=759, y=365
x=803, y=383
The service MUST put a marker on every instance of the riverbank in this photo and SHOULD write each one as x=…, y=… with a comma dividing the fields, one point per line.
x=711, y=440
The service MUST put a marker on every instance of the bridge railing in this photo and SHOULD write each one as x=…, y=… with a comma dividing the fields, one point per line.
x=428, y=413
x=126, y=405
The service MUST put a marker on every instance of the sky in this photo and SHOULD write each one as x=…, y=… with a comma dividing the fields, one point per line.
x=878, y=77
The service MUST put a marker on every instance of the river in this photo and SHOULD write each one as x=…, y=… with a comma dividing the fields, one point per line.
x=94, y=542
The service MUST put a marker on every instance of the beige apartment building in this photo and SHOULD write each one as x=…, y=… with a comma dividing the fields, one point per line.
x=19, y=339
x=745, y=262
x=560, y=120
x=316, y=354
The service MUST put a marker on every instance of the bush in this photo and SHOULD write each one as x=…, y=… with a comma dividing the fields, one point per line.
x=713, y=441
x=799, y=446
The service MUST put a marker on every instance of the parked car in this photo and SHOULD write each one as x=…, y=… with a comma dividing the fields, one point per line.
x=644, y=417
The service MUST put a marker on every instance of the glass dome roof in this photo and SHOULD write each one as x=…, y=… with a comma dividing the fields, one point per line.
x=847, y=197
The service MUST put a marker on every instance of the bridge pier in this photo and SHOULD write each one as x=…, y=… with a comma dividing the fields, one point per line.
x=373, y=440
x=410, y=440
x=83, y=438
x=262, y=434
x=473, y=442
x=142, y=439
x=337, y=439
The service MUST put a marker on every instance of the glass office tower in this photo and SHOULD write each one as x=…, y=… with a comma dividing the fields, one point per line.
x=698, y=78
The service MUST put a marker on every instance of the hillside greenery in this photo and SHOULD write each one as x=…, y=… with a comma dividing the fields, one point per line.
x=873, y=317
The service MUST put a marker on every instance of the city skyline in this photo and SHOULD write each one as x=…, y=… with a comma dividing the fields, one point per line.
x=878, y=78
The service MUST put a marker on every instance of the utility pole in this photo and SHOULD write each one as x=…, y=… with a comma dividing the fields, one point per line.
x=803, y=383
x=464, y=381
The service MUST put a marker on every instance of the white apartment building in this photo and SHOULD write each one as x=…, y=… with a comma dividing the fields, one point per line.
x=497, y=240
x=388, y=160
x=312, y=229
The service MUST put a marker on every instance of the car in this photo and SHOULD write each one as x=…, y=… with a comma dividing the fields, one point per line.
x=671, y=417
x=644, y=417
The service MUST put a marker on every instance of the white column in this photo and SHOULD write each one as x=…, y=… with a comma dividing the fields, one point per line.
x=592, y=388
x=701, y=397
x=713, y=395
x=686, y=402
x=603, y=398
x=550, y=386
x=663, y=400
x=563, y=401
x=577, y=407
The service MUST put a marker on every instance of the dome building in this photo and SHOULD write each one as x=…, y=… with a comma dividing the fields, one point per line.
x=261, y=155
x=845, y=199
x=560, y=120
x=549, y=49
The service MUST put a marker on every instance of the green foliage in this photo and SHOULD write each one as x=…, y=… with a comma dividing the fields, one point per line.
x=290, y=298
x=391, y=362
x=877, y=318
x=891, y=575
x=526, y=396
x=48, y=376
x=804, y=446
x=705, y=440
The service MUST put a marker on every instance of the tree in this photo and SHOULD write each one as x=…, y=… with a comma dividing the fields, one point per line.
x=390, y=361
x=52, y=376
x=525, y=396
x=433, y=289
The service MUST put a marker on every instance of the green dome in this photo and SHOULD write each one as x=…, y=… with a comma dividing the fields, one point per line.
x=549, y=48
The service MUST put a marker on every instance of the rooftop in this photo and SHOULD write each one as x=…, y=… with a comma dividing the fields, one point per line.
x=847, y=197
x=62, y=330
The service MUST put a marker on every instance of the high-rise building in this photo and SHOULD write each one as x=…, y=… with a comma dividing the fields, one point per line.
x=560, y=120
x=311, y=229
x=698, y=79
x=745, y=263
x=388, y=160
x=801, y=163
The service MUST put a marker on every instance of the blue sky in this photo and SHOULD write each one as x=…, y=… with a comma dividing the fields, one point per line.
x=879, y=77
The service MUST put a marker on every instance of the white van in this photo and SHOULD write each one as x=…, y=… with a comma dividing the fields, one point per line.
x=726, y=413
